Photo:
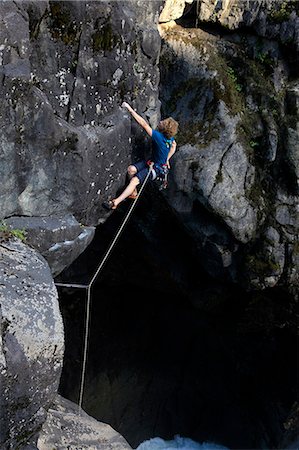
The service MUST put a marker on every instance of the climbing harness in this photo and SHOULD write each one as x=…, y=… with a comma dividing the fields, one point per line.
x=162, y=178
x=160, y=175
x=89, y=286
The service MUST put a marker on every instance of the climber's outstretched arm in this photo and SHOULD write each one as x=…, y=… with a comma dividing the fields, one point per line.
x=171, y=153
x=138, y=118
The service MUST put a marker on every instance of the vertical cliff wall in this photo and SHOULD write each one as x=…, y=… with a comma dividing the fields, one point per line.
x=232, y=86
x=65, y=69
x=65, y=143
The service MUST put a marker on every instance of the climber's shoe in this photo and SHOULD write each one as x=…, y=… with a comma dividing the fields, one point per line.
x=133, y=196
x=109, y=205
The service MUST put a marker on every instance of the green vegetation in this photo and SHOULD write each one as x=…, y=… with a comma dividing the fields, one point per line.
x=261, y=265
x=265, y=59
x=181, y=91
x=226, y=85
x=234, y=79
x=104, y=39
x=242, y=83
x=253, y=144
x=262, y=56
x=189, y=133
x=63, y=27
x=266, y=62
x=296, y=248
x=281, y=12
x=6, y=233
x=73, y=66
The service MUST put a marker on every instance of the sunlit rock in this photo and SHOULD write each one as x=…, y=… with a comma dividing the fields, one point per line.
x=173, y=9
x=68, y=427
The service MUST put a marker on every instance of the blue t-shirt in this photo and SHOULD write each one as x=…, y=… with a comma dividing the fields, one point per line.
x=161, y=147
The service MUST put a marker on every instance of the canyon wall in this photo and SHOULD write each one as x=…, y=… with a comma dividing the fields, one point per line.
x=227, y=71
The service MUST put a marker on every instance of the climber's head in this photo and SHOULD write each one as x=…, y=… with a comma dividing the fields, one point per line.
x=169, y=127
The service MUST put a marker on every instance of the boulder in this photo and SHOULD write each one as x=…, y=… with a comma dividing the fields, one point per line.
x=59, y=239
x=68, y=427
x=173, y=9
x=32, y=343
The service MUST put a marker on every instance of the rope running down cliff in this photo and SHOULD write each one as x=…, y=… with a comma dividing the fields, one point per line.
x=90, y=285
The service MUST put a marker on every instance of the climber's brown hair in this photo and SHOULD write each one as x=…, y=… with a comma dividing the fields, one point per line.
x=169, y=127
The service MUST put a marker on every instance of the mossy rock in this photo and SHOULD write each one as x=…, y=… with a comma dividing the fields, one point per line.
x=181, y=91
x=104, y=39
x=63, y=27
x=7, y=233
x=261, y=266
x=281, y=12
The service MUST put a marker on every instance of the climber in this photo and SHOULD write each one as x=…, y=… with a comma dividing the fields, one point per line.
x=164, y=147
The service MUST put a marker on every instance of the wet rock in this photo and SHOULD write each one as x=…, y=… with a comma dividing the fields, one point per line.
x=59, y=239
x=66, y=427
x=32, y=343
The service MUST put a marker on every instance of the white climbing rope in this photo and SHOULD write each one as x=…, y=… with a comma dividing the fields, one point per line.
x=90, y=284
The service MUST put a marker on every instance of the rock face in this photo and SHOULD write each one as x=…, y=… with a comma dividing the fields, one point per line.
x=278, y=19
x=32, y=343
x=65, y=428
x=173, y=9
x=234, y=181
x=59, y=239
x=65, y=143
x=65, y=69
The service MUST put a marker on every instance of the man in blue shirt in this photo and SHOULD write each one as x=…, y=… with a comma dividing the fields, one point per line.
x=164, y=147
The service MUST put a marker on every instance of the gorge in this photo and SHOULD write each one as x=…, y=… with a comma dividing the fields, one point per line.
x=194, y=317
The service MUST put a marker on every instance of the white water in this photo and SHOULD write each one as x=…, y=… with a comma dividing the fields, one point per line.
x=178, y=442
